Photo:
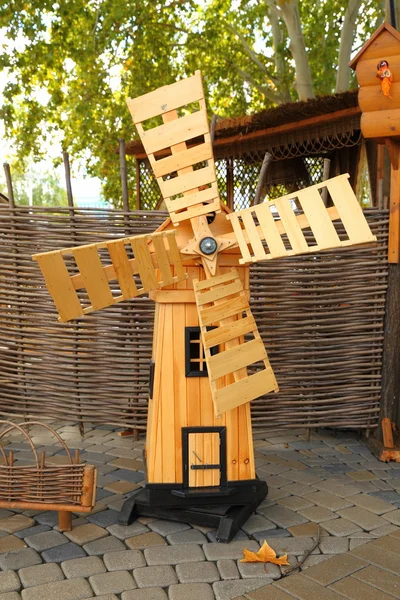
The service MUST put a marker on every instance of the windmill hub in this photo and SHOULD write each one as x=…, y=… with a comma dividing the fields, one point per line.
x=208, y=245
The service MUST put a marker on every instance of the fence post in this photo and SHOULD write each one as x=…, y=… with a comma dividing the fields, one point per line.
x=124, y=175
x=10, y=189
x=68, y=179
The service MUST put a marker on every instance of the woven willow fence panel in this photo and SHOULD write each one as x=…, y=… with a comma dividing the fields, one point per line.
x=321, y=318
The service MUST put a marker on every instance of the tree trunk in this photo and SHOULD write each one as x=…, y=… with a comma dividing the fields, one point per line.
x=277, y=42
x=289, y=10
x=346, y=44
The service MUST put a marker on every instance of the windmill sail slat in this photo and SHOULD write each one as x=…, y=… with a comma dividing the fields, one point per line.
x=316, y=216
x=231, y=385
x=94, y=277
x=175, y=132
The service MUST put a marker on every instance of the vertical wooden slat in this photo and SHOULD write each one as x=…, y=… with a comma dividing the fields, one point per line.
x=123, y=269
x=292, y=228
x=254, y=238
x=175, y=256
x=162, y=260
x=145, y=264
x=59, y=284
x=91, y=269
x=271, y=234
x=240, y=237
x=318, y=218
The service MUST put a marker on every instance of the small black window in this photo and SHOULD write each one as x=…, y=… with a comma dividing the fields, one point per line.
x=195, y=360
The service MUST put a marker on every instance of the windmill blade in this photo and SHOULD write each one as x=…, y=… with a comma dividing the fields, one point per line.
x=62, y=281
x=222, y=303
x=178, y=145
x=259, y=233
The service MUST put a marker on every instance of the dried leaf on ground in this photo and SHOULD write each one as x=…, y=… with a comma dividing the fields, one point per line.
x=264, y=555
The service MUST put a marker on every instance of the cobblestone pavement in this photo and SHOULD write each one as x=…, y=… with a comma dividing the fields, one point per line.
x=330, y=488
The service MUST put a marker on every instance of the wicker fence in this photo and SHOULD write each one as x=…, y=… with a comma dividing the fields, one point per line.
x=321, y=318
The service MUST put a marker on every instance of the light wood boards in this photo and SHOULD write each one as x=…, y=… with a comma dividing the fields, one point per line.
x=187, y=177
x=222, y=302
x=264, y=241
x=94, y=276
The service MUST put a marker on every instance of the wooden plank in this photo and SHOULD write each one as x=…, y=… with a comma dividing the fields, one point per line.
x=178, y=341
x=187, y=182
x=366, y=70
x=350, y=211
x=59, y=285
x=244, y=390
x=384, y=46
x=387, y=125
x=233, y=218
x=228, y=332
x=122, y=268
x=236, y=358
x=292, y=228
x=166, y=98
x=394, y=219
x=371, y=98
x=387, y=433
x=173, y=296
x=254, y=238
x=196, y=211
x=216, y=293
x=232, y=307
x=217, y=280
x=91, y=268
x=206, y=195
x=183, y=159
x=144, y=263
x=163, y=261
x=175, y=132
x=318, y=219
x=270, y=231
x=232, y=441
x=175, y=257
x=168, y=403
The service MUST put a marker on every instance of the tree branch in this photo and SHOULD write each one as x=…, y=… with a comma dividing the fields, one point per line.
x=249, y=51
x=265, y=91
x=346, y=43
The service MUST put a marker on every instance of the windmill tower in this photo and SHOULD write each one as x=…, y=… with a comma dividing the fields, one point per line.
x=209, y=361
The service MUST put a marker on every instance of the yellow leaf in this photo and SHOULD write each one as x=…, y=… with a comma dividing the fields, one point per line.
x=264, y=555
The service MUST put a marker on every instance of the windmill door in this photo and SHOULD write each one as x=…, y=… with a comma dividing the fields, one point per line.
x=204, y=456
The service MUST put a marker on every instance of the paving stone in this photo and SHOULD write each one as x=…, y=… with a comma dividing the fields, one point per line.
x=225, y=590
x=104, y=518
x=189, y=536
x=40, y=574
x=122, y=532
x=304, y=588
x=132, y=476
x=276, y=482
x=106, y=597
x=69, y=589
x=16, y=560
x=159, y=576
x=344, y=490
x=355, y=542
x=167, y=527
x=392, y=497
x=304, y=530
x=121, y=487
x=112, y=583
x=383, y=580
x=124, y=560
x=383, y=485
x=318, y=514
x=294, y=502
x=83, y=567
x=107, y=544
x=191, y=591
x=376, y=556
x=353, y=588
x=144, y=540
x=9, y=582
x=232, y=550
x=336, y=568
x=284, y=517
x=172, y=555
x=362, y=476
x=257, y=523
x=4, y=513
x=302, y=477
x=364, y=518
x=375, y=505
x=328, y=500
x=251, y=570
x=365, y=486
x=340, y=527
x=385, y=530
x=297, y=545
x=260, y=536
x=334, y=545
x=202, y=572
x=86, y=533
x=46, y=540
x=49, y=517
x=276, y=494
x=241, y=535
x=62, y=553
x=16, y=523
x=128, y=463
x=392, y=517
x=32, y=531
x=228, y=569
x=154, y=593
x=10, y=596
x=314, y=559
x=299, y=489
x=266, y=592
x=94, y=458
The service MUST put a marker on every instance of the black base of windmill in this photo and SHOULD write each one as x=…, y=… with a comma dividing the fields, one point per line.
x=226, y=507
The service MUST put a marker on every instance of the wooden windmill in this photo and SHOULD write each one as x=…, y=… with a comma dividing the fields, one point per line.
x=208, y=360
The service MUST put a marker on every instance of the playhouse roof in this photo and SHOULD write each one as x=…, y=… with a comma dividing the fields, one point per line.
x=384, y=27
